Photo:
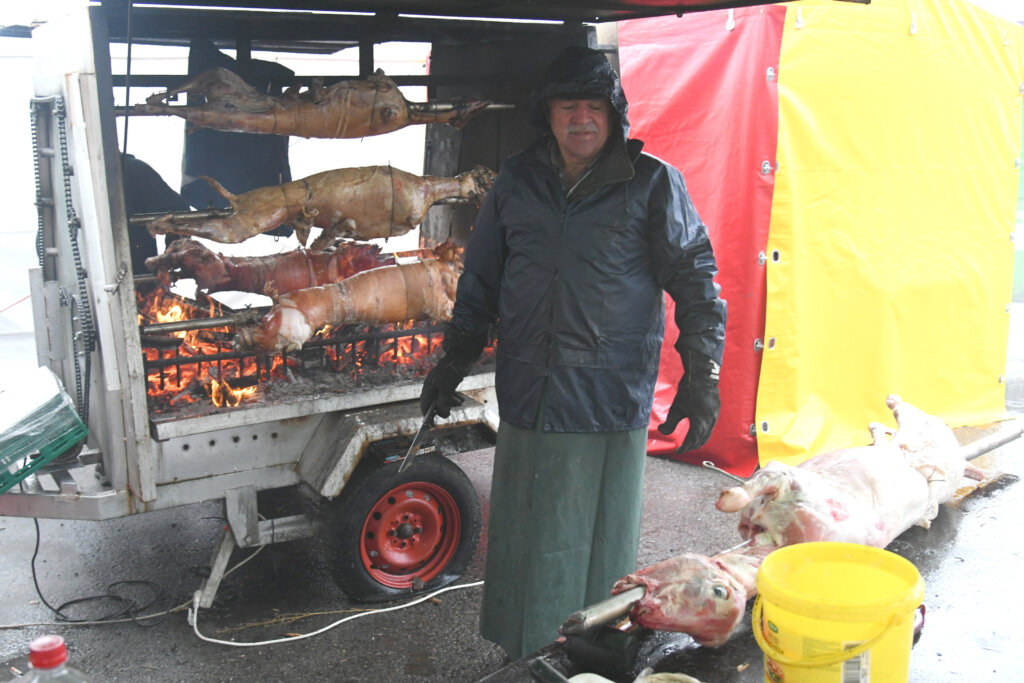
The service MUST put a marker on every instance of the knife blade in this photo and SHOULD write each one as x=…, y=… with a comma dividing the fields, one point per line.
x=414, y=447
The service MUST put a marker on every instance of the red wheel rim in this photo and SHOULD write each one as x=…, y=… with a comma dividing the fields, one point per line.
x=411, y=532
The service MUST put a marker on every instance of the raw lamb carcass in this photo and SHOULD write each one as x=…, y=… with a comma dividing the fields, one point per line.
x=867, y=495
x=348, y=109
x=702, y=596
x=360, y=203
x=288, y=271
x=390, y=294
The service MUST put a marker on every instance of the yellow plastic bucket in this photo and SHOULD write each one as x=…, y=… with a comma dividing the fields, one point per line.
x=836, y=612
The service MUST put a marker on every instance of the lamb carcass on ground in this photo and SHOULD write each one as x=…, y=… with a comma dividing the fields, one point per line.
x=286, y=272
x=358, y=203
x=867, y=495
x=352, y=108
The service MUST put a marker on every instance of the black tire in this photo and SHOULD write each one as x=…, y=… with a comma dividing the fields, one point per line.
x=392, y=534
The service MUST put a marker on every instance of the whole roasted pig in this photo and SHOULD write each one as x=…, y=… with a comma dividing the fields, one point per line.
x=348, y=109
x=390, y=294
x=286, y=272
x=867, y=495
x=360, y=203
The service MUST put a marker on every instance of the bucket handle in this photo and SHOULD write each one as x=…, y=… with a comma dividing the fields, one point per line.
x=811, y=662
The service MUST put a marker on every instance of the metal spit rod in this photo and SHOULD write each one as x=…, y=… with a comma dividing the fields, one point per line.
x=1007, y=432
x=143, y=218
x=187, y=216
x=420, y=107
x=602, y=612
x=246, y=317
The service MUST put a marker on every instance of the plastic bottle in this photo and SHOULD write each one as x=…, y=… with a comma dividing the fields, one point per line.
x=48, y=656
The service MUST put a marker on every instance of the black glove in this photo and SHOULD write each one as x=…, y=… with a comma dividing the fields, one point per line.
x=461, y=351
x=697, y=399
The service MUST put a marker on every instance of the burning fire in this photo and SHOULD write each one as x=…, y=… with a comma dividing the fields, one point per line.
x=222, y=394
x=201, y=365
x=187, y=382
x=407, y=350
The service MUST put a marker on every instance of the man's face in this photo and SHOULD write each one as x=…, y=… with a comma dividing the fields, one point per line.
x=581, y=127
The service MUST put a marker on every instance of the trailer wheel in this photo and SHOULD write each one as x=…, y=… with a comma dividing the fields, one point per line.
x=393, y=533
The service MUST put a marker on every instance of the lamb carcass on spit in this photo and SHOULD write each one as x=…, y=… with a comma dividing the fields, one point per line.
x=287, y=271
x=867, y=495
x=348, y=109
x=360, y=203
x=390, y=294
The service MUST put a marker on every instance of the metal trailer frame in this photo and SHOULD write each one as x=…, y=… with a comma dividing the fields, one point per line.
x=83, y=294
x=152, y=465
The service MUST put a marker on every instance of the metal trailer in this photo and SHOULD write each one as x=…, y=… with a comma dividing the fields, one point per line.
x=339, y=448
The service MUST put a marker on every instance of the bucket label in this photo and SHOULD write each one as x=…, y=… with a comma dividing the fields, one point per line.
x=857, y=669
x=774, y=671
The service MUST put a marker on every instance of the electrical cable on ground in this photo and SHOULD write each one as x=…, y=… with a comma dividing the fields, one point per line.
x=130, y=608
x=193, y=619
x=192, y=605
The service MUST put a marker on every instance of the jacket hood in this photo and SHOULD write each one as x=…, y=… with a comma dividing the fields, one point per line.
x=578, y=71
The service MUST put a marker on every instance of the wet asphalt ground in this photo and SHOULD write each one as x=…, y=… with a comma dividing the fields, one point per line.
x=970, y=560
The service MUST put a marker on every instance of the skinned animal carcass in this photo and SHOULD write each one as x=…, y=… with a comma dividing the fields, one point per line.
x=867, y=495
x=702, y=596
x=358, y=203
x=390, y=294
x=353, y=108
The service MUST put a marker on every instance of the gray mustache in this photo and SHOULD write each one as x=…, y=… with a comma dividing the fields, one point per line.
x=582, y=128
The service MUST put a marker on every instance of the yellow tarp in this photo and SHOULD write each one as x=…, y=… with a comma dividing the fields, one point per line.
x=890, y=264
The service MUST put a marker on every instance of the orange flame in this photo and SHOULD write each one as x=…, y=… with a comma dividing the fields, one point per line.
x=188, y=381
x=407, y=350
x=223, y=395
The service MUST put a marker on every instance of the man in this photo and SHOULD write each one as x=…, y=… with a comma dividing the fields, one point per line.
x=569, y=254
x=146, y=192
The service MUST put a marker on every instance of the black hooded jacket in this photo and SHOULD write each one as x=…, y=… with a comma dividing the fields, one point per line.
x=574, y=278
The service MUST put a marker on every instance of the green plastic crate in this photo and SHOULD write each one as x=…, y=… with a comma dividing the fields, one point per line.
x=38, y=422
x=32, y=461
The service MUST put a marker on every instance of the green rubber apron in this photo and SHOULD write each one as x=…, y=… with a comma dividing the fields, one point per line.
x=564, y=526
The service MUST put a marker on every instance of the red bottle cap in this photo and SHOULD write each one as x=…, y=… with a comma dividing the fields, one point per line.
x=47, y=652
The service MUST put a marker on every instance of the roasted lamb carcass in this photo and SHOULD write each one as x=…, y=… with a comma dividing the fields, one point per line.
x=286, y=272
x=390, y=294
x=867, y=495
x=347, y=109
x=361, y=203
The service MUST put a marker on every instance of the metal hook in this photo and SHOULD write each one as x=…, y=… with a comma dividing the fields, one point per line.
x=711, y=466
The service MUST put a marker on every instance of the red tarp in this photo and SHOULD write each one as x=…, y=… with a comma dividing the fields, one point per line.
x=702, y=95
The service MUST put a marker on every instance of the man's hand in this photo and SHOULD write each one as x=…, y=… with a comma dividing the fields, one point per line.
x=439, y=389
x=461, y=351
x=696, y=399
